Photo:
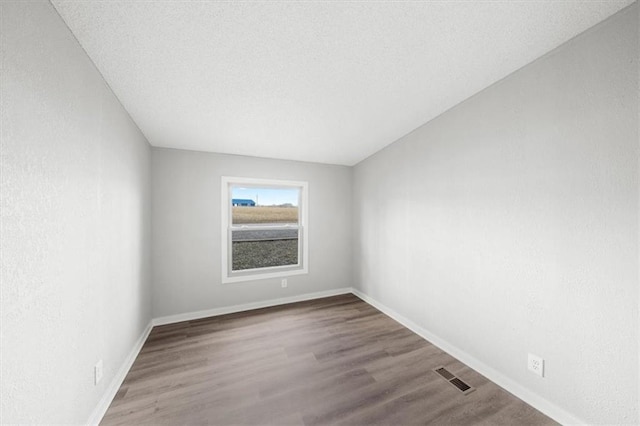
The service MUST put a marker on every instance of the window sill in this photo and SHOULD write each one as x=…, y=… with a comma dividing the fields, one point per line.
x=254, y=276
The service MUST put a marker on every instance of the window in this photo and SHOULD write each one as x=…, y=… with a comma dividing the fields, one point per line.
x=264, y=228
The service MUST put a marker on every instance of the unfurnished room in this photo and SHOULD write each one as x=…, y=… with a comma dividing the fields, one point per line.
x=319, y=212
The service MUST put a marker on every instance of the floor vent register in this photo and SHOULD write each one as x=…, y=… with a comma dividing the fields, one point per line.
x=453, y=380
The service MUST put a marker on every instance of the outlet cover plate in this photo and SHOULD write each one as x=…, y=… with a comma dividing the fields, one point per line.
x=98, y=372
x=536, y=365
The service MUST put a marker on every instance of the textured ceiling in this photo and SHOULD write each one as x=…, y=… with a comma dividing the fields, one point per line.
x=329, y=82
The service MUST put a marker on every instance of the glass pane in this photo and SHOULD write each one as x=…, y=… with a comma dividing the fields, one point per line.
x=256, y=205
x=264, y=248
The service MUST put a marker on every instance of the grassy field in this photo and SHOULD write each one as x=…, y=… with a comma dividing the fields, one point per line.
x=261, y=254
x=265, y=215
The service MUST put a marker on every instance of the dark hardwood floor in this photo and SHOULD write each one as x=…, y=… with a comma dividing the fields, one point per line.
x=328, y=361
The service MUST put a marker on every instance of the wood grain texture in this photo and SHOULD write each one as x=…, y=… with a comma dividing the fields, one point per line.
x=335, y=360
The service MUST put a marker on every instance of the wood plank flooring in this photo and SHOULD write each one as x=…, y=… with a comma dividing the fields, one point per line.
x=328, y=361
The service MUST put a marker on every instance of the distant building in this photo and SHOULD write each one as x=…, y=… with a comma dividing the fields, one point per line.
x=242, y=202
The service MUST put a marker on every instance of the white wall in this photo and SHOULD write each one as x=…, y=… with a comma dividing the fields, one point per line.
x=186, y=243
x=75, y=199
x=509, y=224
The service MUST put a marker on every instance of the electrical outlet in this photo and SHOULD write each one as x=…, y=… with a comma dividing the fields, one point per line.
x=284, y=283
x=536, y=365
x=97, y=372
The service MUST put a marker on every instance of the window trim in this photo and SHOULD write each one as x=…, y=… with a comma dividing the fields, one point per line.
x=228, y=275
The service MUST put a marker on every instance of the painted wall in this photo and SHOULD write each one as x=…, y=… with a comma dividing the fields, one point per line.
x=186, y=248
x=75, y=185
x=509, y=224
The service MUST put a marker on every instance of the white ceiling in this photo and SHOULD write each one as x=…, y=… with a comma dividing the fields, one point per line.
x=330, y=81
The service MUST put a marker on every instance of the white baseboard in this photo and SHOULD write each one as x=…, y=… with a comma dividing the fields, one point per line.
x=536, y=401
x=115, y=384
x=248, y=306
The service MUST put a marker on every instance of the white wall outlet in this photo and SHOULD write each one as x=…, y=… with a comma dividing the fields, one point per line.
x=97, y=372
x=284, y=283
x=536, y=365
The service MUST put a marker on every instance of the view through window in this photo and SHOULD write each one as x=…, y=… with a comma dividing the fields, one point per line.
x=264, y=227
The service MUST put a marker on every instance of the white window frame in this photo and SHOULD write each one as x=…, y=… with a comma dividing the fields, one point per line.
x=230, y=276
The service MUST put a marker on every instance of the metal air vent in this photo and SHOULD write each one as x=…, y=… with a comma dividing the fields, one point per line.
x=453, y=380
